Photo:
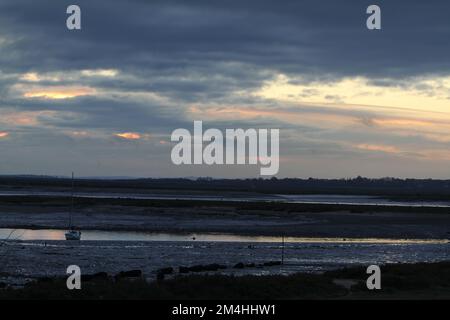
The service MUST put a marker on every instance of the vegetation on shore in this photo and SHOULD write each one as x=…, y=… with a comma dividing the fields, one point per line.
x=399, y=281
x=392, y=188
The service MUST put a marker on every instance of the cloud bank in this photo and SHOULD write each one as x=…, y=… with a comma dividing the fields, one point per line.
x=104, y=100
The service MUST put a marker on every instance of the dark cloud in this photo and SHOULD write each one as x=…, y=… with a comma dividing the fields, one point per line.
x=172, y=55
x=170, y=36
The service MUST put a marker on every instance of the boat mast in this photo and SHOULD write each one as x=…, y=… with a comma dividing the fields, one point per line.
x=71, y=205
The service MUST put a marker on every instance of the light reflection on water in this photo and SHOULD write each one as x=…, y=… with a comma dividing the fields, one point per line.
x=119, y=253
x=100, y=235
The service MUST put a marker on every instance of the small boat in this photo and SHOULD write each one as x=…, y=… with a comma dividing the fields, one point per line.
x=72, y=234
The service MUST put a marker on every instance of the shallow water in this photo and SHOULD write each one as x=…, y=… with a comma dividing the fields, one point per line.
x=46, y=258
x=100, y=235
x=37, y=253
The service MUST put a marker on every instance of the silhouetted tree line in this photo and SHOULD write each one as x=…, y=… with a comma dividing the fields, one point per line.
x=359, y=185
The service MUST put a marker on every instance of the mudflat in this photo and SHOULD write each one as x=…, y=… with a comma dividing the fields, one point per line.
x=249, y=218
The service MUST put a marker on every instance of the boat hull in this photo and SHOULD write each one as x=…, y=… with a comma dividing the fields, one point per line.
x=73, y=235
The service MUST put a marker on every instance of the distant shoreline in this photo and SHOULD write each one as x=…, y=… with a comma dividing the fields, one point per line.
x=391, y=188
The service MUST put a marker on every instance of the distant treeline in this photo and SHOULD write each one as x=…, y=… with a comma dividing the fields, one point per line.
x=406, y=188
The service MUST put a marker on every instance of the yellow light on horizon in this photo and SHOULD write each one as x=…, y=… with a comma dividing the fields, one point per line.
x=424, y=94
x=129, y=135
x=378, y=147
x=99, y=72
x=56, y=93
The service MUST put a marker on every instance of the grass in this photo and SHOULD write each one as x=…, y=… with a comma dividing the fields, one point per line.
x=186, y=287
x=401, y=277
x=410, y=281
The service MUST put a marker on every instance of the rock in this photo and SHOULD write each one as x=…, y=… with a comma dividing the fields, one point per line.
x=129, y=274
x=217, y=266
x=202, y=268
x=239, y=265
x=45, y=279
x=163, y=271
x=208, y=267
x=183, y=269
x=95, y=276
x=272, y=263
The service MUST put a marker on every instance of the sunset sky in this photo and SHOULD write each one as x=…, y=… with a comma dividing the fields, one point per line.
x=104, y=101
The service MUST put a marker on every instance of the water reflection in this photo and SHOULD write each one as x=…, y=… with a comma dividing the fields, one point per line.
x=100, y=235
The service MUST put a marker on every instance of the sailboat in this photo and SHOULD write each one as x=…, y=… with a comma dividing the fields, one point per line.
x=72, y=234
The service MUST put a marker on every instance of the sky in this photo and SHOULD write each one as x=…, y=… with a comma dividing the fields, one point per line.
x=104, y=100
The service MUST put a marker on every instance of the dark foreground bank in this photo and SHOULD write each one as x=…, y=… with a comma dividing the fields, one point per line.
x=399, y=281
